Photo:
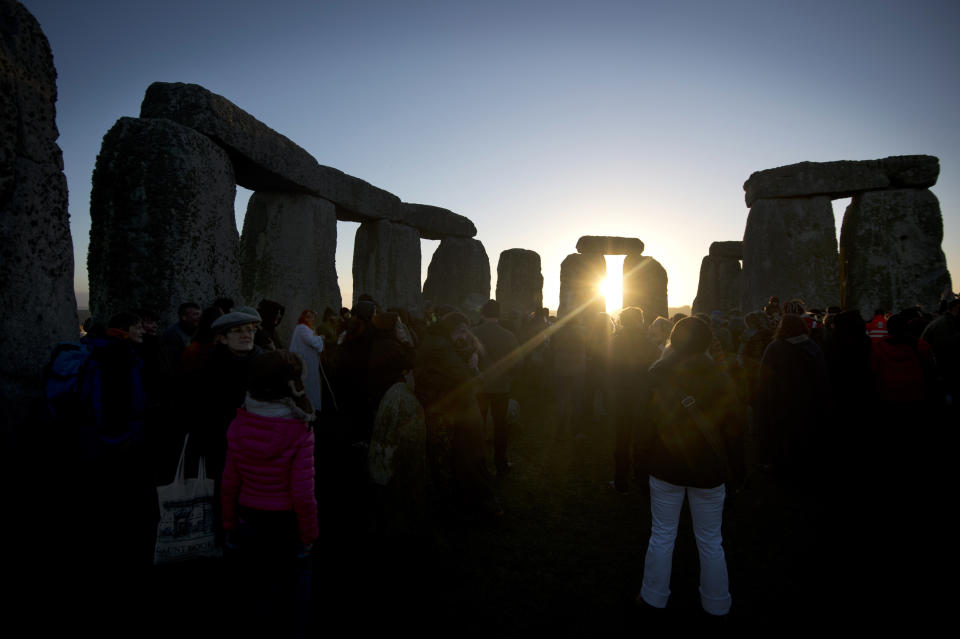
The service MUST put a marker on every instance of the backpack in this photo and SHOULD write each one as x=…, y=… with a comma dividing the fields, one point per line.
x=73, y=397
x=61, y=377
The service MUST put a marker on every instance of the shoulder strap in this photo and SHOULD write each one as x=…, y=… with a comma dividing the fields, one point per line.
x=688, y=403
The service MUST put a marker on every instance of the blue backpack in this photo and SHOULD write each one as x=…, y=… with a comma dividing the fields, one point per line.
x=74, y=393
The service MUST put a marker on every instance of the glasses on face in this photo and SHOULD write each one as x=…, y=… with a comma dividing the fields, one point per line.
x=242, y=330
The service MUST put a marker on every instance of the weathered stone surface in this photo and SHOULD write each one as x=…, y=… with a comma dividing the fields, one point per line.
x=519, y=282
x=790, y=250
x=162, y=221
x=608, y=245
x=288, y=253
x=265, y=160
x=435, y=223
x=911, y=171
x=386, y=263
x=842, y=179
x=459, y=274
x=580, y=275
x=36, y=251
x=719, y=288
x=645, y=285
x=727, y=249
x=890, y=251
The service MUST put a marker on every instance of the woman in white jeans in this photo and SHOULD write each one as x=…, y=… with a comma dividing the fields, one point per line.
x=694, y=425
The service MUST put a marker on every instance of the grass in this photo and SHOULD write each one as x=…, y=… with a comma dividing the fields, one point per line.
x=567, y=557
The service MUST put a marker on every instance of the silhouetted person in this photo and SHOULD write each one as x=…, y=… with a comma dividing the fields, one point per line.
x=498, y=359
x=446, y=383
x=633, y=354
x=694, y=426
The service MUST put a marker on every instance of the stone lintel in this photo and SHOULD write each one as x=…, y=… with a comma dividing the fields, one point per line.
x=265, y=160
x=732, y=249
x=609, y=245
x=435, y=223
x=844, y=178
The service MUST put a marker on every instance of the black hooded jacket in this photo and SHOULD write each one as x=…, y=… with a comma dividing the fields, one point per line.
x=691, y=395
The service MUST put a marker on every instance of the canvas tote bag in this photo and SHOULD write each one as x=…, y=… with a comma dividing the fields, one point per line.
x=186, y=526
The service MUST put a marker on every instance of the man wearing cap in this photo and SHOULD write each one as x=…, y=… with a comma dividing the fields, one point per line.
x=222, y=386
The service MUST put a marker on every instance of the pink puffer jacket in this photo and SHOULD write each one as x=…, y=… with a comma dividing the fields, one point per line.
x=270, y=467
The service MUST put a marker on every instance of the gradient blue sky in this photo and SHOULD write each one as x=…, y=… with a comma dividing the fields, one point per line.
x=540, y=121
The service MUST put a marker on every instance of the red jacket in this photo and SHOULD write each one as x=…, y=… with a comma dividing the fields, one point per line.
x=270, y=467
x=903, y=371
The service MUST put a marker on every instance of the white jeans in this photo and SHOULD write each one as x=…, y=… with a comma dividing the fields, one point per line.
x=706, y=510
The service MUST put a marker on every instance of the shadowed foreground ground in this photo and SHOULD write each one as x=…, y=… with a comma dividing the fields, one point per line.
x=568, y=556
x=565, y=560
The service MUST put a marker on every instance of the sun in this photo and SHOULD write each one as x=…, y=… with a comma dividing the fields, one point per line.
x=612, y=290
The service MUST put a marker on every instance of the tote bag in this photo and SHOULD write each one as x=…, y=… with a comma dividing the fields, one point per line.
x=186, y=528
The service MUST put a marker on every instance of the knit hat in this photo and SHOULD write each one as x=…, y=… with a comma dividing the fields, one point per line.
x=235, y=318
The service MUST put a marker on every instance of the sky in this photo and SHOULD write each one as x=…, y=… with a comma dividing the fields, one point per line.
x=540, y=121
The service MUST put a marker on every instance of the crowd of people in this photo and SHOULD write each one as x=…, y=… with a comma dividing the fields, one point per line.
x=383, y=415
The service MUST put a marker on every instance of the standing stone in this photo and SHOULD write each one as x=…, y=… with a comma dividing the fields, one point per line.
x=580, y=276
x=386, y=264
x=36, y=251
x=519, y=282
x=790, y=250
x=890, y=251
x=162, y=221
x=719, y=288
x=645, y=285
x=459, y=274
x=288, y=252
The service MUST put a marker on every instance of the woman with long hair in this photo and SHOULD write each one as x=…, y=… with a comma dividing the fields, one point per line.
x=692, y=448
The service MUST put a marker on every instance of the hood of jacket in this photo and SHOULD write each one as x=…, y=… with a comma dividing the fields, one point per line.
x=265, y=437
x=673, y=362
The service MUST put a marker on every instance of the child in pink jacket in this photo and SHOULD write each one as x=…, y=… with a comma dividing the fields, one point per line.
x=269, y=505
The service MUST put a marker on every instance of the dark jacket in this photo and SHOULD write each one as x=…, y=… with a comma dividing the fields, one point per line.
x=444, y=382
x=217, y=392
x=633, y=355
x=499, y=345
x=791, y=396
x=673, y=446
x=943, y=335
x=447, y=389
